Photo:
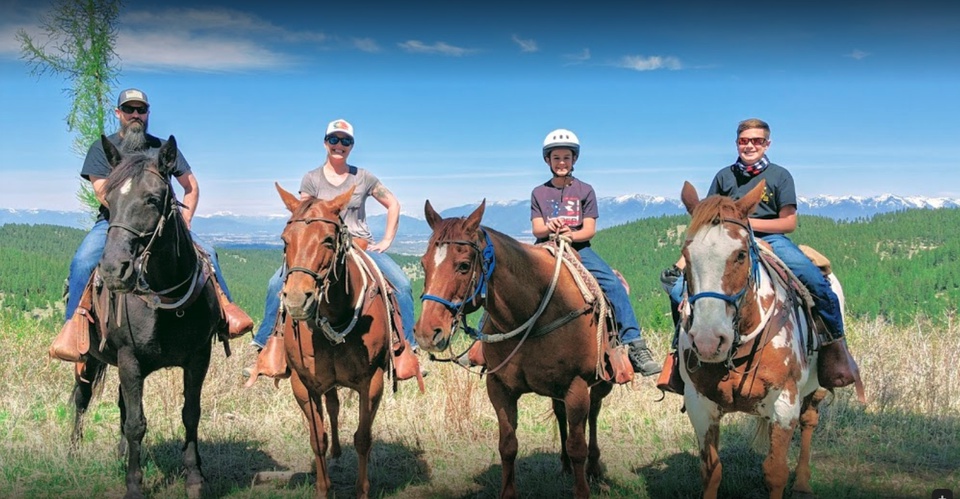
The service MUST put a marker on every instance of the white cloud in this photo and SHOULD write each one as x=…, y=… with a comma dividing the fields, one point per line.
x=166, y=51
x=366, y=44
x=583, y=56
x=525, y=45
x=857, y=54
x=652, y=63
x=443, y=48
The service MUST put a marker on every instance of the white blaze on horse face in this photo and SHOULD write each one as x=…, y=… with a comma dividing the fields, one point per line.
x=439, y=256
x=125, y=188
x=709, y=250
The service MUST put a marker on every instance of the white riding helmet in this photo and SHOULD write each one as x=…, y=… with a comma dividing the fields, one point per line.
x=561, y=137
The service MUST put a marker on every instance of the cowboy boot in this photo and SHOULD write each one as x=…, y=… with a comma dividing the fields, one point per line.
x=669, y=379
x=238, y=322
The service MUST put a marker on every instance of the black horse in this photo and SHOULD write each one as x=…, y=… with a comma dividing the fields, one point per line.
x=156, y=306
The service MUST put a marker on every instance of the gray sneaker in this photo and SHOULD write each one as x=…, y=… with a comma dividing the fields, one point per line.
x=641, y=358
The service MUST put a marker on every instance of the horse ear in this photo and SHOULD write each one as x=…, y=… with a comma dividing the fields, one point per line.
x=433, y=217
x=689, y=196
x=289, y=200
x=339, y=202
x=113, y=154
x=748, y=203
x=167, y=157
x=473, y=221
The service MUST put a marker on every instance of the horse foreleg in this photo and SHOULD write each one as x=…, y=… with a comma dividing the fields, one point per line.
x=597, y=393
x=193, y=375
x=578, y=408
x=775, y=471
x=505, y=405
x=705, y=417
x=560, y=411
x=313, y=415
x=363, y=439
x=134, y=422
x=332, y=400
x=809, y=418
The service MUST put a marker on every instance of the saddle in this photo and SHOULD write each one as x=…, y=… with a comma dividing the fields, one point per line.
x=616, y=365
x=72, y=344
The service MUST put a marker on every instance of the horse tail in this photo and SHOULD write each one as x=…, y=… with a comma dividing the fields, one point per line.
x=761, y=435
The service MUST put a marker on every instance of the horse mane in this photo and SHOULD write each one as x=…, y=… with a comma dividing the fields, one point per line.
x=132, y=166
x=711, y=209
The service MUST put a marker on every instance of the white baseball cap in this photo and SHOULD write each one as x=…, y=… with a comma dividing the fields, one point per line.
x=342, y=126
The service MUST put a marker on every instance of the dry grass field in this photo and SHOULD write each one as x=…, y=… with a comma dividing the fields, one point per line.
x=904, y=443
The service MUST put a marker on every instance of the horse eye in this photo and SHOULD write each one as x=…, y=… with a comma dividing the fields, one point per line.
x=741, y=256
x=328, y=242
x=463, y=267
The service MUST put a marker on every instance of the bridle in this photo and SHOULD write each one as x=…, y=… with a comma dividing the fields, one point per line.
x=340, y=250
x=485, y=262
x=736, y=299
x=142, y=287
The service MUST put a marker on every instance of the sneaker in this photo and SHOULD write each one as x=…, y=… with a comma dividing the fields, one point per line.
x=669, y=278
x=641, y=358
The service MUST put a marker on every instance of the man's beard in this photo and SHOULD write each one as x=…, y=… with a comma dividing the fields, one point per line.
x=134, y=137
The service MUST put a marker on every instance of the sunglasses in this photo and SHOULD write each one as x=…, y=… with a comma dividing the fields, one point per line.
x=334, y=140
x=757, y=141
x=131, y=109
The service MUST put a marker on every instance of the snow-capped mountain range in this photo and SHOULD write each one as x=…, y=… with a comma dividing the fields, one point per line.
x=510, y=217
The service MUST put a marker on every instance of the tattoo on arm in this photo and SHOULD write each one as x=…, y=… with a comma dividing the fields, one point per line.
x=380, y=192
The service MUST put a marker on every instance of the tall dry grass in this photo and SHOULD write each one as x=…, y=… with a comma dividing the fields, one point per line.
x=904, y=443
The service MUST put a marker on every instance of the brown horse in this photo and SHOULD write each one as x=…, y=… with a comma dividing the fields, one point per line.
x=744, y=344
x=337, y=326
x=468, y=266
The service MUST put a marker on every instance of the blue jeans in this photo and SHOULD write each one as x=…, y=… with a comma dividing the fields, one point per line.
x=627, y=324
x=87, y=257
x=826, y=301
x=391, y=271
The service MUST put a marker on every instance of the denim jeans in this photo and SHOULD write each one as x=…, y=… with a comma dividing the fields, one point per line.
x=826, y=301
x=627, y=323
x=391, y=271
x=87, y=257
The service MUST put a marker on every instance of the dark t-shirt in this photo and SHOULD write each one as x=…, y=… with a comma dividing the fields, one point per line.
x=571, y=204
x=96, y=162
x=779, y=192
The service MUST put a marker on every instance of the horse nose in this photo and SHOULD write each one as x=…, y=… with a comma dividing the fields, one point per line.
x=438, y=338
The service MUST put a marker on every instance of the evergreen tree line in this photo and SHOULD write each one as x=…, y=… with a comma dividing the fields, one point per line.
x=895, y=265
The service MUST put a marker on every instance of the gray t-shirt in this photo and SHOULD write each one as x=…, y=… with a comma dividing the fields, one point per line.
x=571, y=204
x=96, y=163
x=780, y=190
x=355, y=216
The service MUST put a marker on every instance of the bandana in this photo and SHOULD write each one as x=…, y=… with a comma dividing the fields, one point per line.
x=754, y=169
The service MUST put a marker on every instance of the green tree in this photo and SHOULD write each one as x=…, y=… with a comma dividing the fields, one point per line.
x=78, y=44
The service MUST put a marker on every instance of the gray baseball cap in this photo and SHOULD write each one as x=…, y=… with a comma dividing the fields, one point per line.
x=132, y=94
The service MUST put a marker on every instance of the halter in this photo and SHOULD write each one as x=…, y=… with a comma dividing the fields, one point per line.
x=140, y=263
x=735, y=299
x=486, y=257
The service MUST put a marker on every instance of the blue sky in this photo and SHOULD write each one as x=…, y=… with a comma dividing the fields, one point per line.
x=451, y=100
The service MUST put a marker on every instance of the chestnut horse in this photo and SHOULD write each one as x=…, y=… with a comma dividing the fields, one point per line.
x=468, y=266
x=337, y=326
x=744, y=344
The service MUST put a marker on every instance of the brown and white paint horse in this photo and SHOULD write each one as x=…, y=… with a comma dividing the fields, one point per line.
x=743, y=345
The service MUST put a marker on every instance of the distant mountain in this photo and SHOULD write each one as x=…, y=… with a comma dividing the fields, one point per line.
x=510, y=217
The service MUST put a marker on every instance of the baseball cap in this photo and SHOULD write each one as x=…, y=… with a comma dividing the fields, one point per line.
x=341, y=126
x=131, y=94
